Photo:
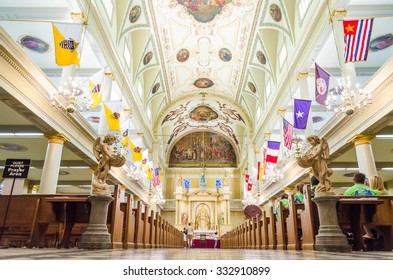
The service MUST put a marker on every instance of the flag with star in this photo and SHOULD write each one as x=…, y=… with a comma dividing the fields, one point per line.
x=321, y=84
x=301, y=111
x=357, y=34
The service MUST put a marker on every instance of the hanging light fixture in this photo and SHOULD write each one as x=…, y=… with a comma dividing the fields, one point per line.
x=347, y=98
x=157, y=196
x=136, y=171
x=249, y=199
x=272, y=173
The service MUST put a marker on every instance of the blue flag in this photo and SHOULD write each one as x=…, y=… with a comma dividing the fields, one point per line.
x=300, y=113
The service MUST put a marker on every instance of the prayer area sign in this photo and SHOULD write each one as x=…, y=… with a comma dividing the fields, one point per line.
x=16, y=168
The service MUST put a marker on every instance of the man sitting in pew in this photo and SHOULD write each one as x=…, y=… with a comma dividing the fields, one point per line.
x=359, y=188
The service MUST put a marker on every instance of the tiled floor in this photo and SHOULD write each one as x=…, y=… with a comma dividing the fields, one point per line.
x=184, y=254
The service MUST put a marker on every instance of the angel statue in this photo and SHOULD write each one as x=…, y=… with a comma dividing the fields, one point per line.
x=106, y=160
x=316, y=158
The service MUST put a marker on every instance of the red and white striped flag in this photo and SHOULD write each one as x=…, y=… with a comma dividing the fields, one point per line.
x=357, y=39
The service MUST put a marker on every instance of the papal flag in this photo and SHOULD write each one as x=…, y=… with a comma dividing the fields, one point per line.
x=67, y=38
x=95, y=86
x=112, y=113
x=125, y=131
x=136, y=144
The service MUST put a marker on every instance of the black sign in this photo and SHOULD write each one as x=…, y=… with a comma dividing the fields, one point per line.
x=16, y=168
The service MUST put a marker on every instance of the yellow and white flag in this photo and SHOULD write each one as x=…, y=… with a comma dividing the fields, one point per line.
x=112, y=113
x=136, y=144
x=67, y=38
x=95, y=86
x=125, y=132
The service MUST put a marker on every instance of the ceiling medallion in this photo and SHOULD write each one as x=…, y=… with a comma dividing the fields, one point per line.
x=203, y=114
x=135, y=14
x=203, y=83
x=225, y=54
x=147, y=58
x=155, y=88
x=34, y=44
x=12, y=147
x=275, y=12
x=261, y=57
x=381, y=42
x=252, y=87
x=204, y=10
x=183, y=55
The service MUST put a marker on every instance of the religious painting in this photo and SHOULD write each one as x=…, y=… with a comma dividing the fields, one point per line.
x=206, y=149
x=135, y=14
x=381, y=42
x=261, y=57
x=252, y=87
x=12, y=147
x=225, y=54
x=203, y=114
x=204, y=10
x=35, y=44
x=183, y=55
x=147, y=58
x=155, y=88
x=203, y=83
x=275, y=12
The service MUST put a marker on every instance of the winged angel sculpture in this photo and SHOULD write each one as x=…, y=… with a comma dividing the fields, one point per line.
x=316, y=158
x=106, y=159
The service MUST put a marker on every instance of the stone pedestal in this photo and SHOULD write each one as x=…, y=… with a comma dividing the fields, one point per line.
x=330, y=236
x=96, y=235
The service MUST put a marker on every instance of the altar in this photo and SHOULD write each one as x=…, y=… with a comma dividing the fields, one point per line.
x=204, y=239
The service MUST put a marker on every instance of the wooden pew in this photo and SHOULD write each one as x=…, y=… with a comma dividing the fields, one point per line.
x=130, y=224
x=309, y=221
x=293, y=224
x=281, y=228
x=146, y=227
x=152, y=233
x=265, y=231
x=117, y=219
x=272, y=230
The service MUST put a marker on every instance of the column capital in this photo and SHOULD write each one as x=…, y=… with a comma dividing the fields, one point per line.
x=57, y=138
x=110, y=74
x=257, y=151
x=361, y=139
x=123, y=187
x=337, y=13
x=34, y=188
x=288, y=189
x=281, y=112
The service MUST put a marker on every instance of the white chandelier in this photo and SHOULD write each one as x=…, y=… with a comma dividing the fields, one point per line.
x=249, y=199
x=272, y=173
x=71, y=96
x=157, y=196
x=136, y=171
x=346, y=98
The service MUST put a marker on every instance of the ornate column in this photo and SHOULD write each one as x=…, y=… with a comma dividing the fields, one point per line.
x=106, y=96
x=50, y=170
x=364, y=153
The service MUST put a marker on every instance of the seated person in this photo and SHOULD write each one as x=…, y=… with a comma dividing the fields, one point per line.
x=284, y=202
x=376, y=183
x=314, y=183
x=360, y=189
x=298, y=196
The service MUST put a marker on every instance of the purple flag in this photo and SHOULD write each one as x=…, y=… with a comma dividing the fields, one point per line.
x=321, y=85
x=301, y=111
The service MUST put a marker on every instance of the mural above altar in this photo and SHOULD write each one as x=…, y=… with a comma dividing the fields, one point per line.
x=206, y=149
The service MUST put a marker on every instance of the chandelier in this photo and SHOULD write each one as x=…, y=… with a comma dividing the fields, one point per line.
x=157, y=196
x=249, y=199
x=347, y=97
x=136, y=171
x=299, y=146
x=272, y=173
x=72, y=96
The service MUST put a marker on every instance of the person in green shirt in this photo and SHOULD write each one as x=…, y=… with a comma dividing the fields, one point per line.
x=284, y=202
x=298, y=195
x=360, y=189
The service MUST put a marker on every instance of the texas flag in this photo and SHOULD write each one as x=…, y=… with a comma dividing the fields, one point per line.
x=301, y=111
x=273, y=148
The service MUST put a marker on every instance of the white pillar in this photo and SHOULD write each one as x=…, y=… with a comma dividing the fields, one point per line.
x=106, y=96
x=364, y=154
x=50, y=170
x=18, y=186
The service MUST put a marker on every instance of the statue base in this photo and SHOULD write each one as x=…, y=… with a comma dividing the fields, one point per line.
x=96, y=235
x=330, y=236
